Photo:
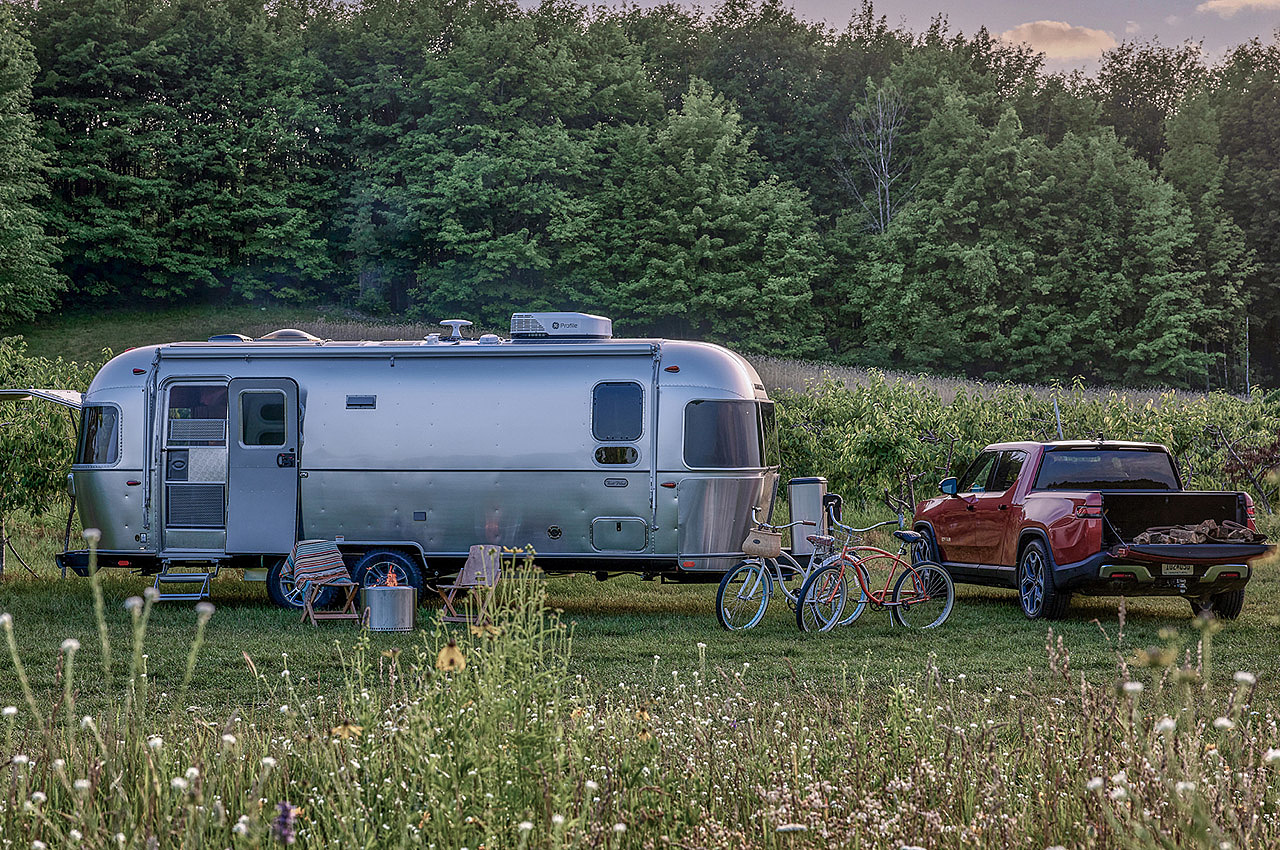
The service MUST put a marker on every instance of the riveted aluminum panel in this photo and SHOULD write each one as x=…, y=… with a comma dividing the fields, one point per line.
x=714, y=515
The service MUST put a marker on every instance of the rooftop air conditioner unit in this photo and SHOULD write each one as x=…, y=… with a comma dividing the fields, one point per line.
x=558, y=326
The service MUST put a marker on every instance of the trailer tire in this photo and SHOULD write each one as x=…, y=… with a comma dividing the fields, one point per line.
x=1038, y=595
x=1224, y=606
x=373, y=566
x=282, y=590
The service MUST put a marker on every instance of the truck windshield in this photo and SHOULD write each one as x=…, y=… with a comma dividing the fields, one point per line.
x=1106, y=469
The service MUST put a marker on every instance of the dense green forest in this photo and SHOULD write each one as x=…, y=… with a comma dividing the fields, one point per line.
x=870, y=195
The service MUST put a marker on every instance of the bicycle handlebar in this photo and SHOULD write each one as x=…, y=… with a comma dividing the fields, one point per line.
x=767, y=526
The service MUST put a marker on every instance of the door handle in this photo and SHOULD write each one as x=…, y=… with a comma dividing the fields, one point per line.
x=968, y=507
x=286, y=460
x=1003, y=507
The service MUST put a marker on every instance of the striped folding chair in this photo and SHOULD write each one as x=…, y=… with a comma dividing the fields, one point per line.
x=316, y=566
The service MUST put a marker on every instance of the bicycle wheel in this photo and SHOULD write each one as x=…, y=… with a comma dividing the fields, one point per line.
x=821, y=599
x=743, y=596
x=789, y=576
x=857, y=599
x=923, y=596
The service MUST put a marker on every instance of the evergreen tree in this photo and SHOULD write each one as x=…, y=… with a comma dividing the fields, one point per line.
x=29, y=283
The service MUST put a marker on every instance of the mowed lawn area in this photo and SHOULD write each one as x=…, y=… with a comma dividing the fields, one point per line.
x=629, y=631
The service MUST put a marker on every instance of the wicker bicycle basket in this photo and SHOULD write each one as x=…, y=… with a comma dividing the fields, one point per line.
x=763, y=544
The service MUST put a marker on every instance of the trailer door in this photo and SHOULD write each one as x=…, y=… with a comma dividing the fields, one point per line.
x=262, y=475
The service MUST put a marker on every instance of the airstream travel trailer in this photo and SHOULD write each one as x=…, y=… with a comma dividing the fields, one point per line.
x=605, y=455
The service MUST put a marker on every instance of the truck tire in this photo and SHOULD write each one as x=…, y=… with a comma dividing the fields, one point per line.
x=1224, y=606
x=373, y=566
x=1037, y=594
x=283, y=592
x=927, y=548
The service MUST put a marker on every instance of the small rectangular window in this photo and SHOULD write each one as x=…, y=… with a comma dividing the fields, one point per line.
x=616, y=455
x=99, y=436
x=262, y=418
x=722, y=435
x=617, y=411
x=197, y=415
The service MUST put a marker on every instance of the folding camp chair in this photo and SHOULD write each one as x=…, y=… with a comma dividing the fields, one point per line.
x=480, y=574
x=316, y=566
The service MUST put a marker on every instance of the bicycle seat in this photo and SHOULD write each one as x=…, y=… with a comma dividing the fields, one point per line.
x=908, y=536
x=821, y=540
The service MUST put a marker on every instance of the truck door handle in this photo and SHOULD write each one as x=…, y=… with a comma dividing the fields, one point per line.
x=1003, y=507
x=968, y=507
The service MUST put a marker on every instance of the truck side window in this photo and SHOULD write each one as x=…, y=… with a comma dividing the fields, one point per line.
x=99, y=436
x=1007, y=471
x=617, y=411
x=975, y=477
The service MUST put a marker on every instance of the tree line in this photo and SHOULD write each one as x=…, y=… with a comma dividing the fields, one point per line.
x=873, y=195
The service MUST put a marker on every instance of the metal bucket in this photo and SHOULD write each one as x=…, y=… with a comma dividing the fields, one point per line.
x=390, y=609
x=805, y=498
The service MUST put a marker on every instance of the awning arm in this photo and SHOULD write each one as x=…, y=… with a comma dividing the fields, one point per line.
x=66, y=398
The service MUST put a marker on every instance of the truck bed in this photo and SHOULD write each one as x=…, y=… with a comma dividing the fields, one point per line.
x=1131, y=512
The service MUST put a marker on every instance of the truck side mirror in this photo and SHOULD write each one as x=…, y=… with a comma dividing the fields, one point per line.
x=950, y=486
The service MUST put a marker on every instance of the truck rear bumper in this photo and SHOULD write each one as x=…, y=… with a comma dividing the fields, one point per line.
x=1105, y=575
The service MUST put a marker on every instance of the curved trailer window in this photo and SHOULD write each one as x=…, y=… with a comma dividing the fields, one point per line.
x=730, y=435
x=99, y=436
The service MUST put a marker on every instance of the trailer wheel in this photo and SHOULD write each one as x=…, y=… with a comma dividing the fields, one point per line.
x=1224, y=606
x=284, y=592
x=376, y=564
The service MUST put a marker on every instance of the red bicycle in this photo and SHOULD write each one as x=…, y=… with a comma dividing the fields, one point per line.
x=917, y=593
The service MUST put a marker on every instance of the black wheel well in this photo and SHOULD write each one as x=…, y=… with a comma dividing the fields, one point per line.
x=1033, y=535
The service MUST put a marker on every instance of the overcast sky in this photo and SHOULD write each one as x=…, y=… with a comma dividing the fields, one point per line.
x=1073, y=33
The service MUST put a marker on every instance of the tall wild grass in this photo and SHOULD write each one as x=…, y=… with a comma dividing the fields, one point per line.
x=482, y=738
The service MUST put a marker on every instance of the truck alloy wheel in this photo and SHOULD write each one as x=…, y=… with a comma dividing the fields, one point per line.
x=1039, y=598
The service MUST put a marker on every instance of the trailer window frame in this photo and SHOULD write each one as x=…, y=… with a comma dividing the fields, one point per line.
x=750, y=436
x=617, y=435
x=83, y=431
x=244, y=420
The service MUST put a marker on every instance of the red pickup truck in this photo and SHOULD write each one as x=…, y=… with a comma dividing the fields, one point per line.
x=1053, y=519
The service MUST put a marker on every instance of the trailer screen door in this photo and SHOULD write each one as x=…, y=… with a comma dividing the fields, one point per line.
x=262, y=475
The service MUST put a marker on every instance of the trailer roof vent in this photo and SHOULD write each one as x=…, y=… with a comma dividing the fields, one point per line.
x=228, y=338
x=289, y=335
x=558, y=326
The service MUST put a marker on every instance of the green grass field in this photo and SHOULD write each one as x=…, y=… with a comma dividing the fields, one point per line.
x=619, y=626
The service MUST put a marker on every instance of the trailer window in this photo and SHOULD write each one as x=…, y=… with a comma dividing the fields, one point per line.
x=769, y=434
x=722, y=435
x=262, y=421
x=99, y=436
x=617, y=411
x=197, y=415
x=1107, y=469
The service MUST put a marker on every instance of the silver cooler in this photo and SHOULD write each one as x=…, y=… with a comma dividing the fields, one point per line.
x=804, y=495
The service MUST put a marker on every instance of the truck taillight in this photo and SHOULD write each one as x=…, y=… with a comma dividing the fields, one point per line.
x=1088, y=511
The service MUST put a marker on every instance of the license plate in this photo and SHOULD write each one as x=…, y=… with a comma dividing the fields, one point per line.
x=1178, y=570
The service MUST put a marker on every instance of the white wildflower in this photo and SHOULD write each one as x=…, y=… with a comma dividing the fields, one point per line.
x=268, y=761
x=9, y=710
x=75, y=835
x=70, y=645
x=229, y=740
x=204, y=609
x=92, y=535
x=1224, y=723
x=193, y=774
x=20, y=759
x=1166, y=725
x=591, y=785
x=525, y=826
x=619, y=828
x=178, y=783
x=1184, y=787
x=81, y=785
x=133, y=603
x=1271, y=756
x=791, y=827
x=1094, y=784
x=155, y=742
x=1118, y=793
x=39, y=798
x=1133, y=688
x=557, y=820
x=1244, y=677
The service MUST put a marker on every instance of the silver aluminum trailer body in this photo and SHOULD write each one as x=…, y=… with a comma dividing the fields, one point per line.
x=604, y=455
